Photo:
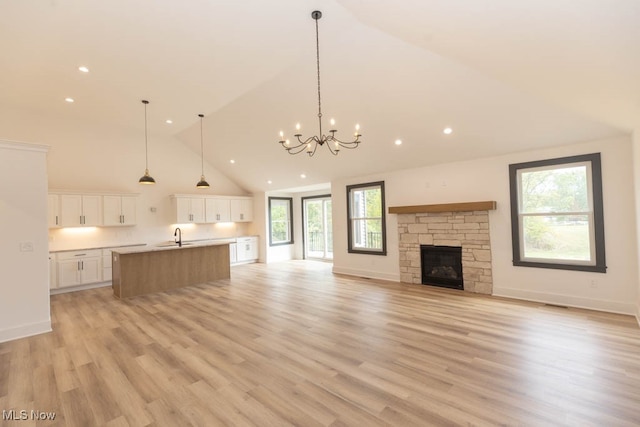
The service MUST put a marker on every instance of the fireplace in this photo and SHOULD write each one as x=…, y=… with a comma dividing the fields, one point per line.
x=441, y=266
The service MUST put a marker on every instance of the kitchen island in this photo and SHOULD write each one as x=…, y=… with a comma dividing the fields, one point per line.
x=146, y=270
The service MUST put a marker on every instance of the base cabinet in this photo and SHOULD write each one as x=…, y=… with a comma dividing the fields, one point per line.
x=233, y=253
x=79, y=267
x=247, y=249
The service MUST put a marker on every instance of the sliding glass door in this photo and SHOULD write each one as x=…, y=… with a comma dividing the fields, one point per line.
x=318, y=237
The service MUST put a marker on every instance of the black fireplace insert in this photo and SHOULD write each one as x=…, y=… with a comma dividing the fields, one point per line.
x=441, y=266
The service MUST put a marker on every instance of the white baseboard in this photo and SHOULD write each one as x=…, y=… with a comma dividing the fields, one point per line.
x=569, y=301
x=367, y=273
x=56, y=291
x=25, y=331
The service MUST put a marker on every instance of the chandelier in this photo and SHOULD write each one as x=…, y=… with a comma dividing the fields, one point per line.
x=310, y=144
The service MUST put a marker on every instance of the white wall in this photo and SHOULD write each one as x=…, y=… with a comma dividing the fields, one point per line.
x=24, y=257
x=636, y=181
x=487, y=179
x=98, y=157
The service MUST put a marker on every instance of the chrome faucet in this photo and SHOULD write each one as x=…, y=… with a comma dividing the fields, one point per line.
x=178, y=233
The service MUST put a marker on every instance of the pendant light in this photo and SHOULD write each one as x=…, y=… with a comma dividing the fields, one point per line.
x=146, y=178
x=203, y=182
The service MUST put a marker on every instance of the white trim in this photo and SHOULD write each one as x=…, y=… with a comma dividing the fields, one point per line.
x=24, y=146
x=25, y=331
x=368, y=274
x=566, y=300
x=66, y=289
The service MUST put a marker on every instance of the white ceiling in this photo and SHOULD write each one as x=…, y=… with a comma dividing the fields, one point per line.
x=505, y=75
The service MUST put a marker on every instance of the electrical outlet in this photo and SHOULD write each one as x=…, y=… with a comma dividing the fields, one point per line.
x=26, y=246
x=594, y=284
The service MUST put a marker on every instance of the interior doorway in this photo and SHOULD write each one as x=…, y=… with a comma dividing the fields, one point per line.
x=316, y=220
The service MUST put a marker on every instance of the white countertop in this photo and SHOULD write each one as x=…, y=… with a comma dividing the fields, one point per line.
x=174, y=246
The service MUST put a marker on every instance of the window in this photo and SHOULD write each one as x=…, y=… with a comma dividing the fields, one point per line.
x=280, y=221
x=366, y=220
x=557, y=215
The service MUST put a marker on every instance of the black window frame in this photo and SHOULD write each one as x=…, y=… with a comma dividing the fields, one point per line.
x=350, y=247
x=290, y=241
x=598, y=213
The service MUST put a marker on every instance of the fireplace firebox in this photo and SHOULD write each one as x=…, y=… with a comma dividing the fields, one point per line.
x=441, y=266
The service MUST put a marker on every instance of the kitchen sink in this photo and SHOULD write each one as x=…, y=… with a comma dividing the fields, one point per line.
x=171, y=245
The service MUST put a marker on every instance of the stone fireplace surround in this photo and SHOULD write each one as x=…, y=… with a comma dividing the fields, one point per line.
x=453, y=224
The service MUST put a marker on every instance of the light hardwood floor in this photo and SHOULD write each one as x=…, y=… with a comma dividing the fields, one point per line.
x=292, y=344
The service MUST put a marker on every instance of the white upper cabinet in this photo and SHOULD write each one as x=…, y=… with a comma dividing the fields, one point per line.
x=78, y=210
x=119, y=210
x=189, y=210
x=242, y=210
x=53, y=210
x=218, y=210
x=70, y=209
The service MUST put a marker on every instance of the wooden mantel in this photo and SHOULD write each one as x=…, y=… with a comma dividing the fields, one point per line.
x=446, y=207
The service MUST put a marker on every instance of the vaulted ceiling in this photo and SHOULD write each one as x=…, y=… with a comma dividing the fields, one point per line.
x=504, y=75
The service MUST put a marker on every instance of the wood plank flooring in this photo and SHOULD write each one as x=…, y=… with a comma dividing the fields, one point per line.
x=292, y=344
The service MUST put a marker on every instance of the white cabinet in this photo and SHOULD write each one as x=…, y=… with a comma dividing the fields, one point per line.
x=77, y=210
x=189, y=210
x=79, y=267
x=53, y=210
x=53, y=272
x=242, y=210
x=246, y=249
x=107, y=269
x=119, y=210
x=233, y=253
x=107, y=266
x=217, y=210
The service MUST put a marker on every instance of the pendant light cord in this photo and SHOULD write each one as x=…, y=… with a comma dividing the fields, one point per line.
x=146, y=145
x=201, y=145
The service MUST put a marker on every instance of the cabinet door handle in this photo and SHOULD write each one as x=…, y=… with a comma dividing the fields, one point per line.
x=241, y=216
x=56, y=219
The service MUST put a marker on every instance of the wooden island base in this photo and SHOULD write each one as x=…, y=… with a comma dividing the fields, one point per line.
x=139, y=272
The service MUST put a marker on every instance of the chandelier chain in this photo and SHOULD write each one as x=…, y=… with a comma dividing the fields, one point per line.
x=318, y=69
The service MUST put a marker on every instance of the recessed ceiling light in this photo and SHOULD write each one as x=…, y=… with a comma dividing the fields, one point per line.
x=398, y=142
x=168, y=121
x=83, y=69
x=303, y=176
x=269, y=182
x=447, y=131
x=232, y=161
x=69, y=100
